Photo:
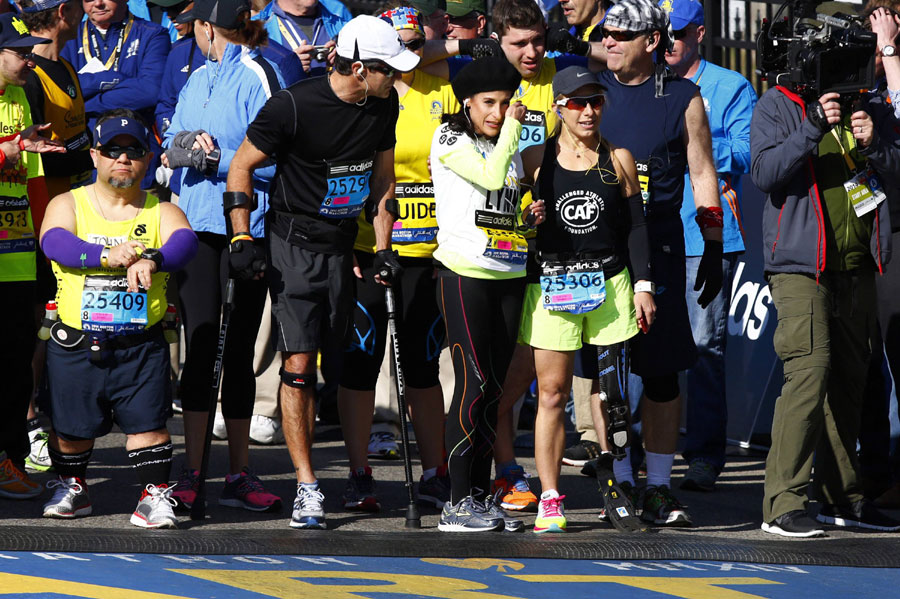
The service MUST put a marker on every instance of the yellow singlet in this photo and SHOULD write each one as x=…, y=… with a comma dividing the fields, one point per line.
x=95, y=299
x=421, y=109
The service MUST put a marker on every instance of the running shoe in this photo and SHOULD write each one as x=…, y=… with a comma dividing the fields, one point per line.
x=383, y=445
x=308, y=511
x=436, y=490
x=581, y=453
x=516, y=495
x=154, y=510
x=265, y=430
x=15, y=484
x=70, y=500
x=701, y=476
x=185, y=490
x=39, y=457
x=492, y=506
x=794, y=524
x=860, y=514
x=551, y=514
x=663, y=509
x=359, y=494
x=468, y=516
x=247, y=491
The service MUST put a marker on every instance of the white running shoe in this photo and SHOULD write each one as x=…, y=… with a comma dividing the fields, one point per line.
x=39, y=457
x=308, y=509
x=70, y=500
x=265, y=430
x=154, y=510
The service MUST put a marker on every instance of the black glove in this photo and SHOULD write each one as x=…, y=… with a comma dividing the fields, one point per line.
x=815, y=112
x=560, y=40
x=186, y=139
x=480, y=47
x=709, y=273
x=246, y=259
x=387, y=266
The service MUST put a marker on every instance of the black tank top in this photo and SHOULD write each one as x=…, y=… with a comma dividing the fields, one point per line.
x=586, y=214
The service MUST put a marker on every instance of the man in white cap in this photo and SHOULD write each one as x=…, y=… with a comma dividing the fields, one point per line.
x=333, y=140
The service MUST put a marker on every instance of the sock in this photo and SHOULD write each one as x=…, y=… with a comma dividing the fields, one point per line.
x=429, y=474
x=152, y=464
x=34, y=424
x=68, y=465
x=549, y=494
x=504, y=468
x=313, y=486
x=659, y=468
x=622, y=469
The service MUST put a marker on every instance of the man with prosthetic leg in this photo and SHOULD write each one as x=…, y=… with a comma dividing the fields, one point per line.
x=333, y=141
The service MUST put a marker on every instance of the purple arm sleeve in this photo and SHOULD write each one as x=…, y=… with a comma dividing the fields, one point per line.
x=65, y=248
x=178, y=250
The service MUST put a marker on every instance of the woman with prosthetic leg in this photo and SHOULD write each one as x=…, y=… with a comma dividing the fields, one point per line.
x=593, y=235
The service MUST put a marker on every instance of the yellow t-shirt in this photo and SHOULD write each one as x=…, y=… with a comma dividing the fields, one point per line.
x=17, y=239
x=537, y=96
x=421, y=109
x=94, y=299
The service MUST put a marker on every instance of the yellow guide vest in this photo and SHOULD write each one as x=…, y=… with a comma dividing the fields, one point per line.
x=95, y=299
x=17, y=239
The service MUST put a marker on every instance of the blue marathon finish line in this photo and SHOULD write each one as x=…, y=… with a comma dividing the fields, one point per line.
x=145, y=576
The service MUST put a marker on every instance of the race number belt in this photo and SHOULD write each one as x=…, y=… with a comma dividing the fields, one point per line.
x=107, y=306
x=534, y=129
x=347, y=188
x=15, y=233
x=575, y=287
x=417, y=222
x=503, y=242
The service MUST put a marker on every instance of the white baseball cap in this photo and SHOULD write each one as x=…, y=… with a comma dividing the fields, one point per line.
x=370, y=38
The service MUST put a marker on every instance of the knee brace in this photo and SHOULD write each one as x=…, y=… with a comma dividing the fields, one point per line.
x=298, y=381
x=661, y=389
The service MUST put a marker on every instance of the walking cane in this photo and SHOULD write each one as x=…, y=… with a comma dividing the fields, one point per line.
x=198, y=509
x=412, y=511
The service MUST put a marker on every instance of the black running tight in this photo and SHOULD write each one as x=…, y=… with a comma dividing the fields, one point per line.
x=200, y=288
x=482, y=320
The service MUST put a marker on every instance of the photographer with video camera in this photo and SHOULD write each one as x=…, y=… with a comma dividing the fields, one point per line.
x=826, y=230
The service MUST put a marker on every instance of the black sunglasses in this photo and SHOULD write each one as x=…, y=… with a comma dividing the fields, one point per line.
x=680, y=34
x=133, y=152
x=25, y=56
x=415, y=44
x=622, y=36
x=380, y=67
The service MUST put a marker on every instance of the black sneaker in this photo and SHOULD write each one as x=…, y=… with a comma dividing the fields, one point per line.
x=581, y=453
x=795, y=523
x=861, y=514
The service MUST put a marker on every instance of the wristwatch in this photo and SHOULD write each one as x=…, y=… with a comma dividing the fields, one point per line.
x=888, y=50
x=648, y=286
x=155, y=255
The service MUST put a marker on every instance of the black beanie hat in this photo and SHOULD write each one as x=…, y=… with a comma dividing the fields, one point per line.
x=488, y=74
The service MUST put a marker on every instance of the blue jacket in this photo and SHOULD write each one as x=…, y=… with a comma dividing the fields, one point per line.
x=333, y=13
x=729, y=100
x=241, y=82
x=782, y=143
x=135, y=83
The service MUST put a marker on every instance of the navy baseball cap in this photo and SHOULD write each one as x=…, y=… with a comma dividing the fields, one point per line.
x=104, y=132
x=14, y=33
x=683, y=12
x=221, y=13
x=572, y=78
x=42, y=5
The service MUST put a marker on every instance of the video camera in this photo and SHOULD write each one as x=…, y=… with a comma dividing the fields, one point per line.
x=813, y=53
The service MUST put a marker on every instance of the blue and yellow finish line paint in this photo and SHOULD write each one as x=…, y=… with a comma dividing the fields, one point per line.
x=141, y=576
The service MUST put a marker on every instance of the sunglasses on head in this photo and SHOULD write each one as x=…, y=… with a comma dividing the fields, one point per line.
x=133, y=152
x=579, y=103
x=415, y=44
x=380, y=67
x=622, y=36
